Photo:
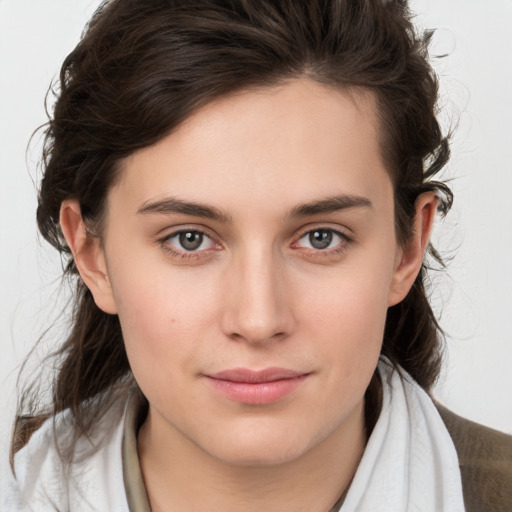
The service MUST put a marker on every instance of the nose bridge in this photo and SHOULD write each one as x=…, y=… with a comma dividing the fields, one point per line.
x=257, y=310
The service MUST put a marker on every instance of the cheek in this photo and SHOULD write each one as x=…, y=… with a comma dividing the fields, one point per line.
x=164, y=316
x=352, y=299
x=352, y=325
x=346, y=316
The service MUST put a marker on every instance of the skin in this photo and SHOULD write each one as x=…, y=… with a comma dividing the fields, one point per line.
x=255, y=294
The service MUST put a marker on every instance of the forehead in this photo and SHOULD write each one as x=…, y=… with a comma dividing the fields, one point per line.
x=280, y=145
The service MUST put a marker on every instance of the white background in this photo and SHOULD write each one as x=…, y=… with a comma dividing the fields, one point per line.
x=474, y=295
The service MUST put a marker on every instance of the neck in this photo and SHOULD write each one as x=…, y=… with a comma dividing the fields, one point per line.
x=178, y=472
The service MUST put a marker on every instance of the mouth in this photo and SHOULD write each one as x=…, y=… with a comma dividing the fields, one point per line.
x=256, y=387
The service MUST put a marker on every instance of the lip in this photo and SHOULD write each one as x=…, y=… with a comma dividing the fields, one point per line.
x=256, y=387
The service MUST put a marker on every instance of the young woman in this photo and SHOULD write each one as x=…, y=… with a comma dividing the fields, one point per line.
x=244, y=192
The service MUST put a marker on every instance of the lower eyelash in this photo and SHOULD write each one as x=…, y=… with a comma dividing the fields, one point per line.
x=328, y=253
x=179, y=254
x=183, y=255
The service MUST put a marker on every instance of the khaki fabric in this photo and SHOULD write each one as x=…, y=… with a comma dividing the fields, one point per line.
x=132, y=474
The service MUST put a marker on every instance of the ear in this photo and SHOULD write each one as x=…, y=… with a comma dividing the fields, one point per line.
x=88, y=255
x=410, y=257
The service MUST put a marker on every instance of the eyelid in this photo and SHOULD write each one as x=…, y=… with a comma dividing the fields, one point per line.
x=164, y=239
x=340, y=247
x=171, y=231
x=344, y=232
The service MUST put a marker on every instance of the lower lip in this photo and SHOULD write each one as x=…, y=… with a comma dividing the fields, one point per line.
x=257, y=393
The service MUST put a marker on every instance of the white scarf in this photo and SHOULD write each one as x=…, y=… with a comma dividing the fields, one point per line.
x=410, y=463
x=94, y=484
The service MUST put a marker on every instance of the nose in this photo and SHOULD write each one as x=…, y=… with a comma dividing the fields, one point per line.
x=257, y=303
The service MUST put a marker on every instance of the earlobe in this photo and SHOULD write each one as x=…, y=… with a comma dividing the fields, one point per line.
x=88, y=255
x=410, y=257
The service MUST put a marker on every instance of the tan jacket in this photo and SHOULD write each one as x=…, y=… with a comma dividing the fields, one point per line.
x=485, y=460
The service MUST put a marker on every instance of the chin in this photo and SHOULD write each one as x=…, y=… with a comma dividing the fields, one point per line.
x=259, y=456
x=259, y=447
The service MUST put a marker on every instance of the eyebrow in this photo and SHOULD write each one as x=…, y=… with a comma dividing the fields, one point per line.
x=174, y=205
x=171, y=205
x=330, y=205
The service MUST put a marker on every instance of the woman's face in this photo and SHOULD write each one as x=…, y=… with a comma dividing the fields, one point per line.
x=252, y=257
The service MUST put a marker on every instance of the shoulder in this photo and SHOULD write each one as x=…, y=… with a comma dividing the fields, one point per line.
x=485, y=460
x=37, y=476
x=89, y=480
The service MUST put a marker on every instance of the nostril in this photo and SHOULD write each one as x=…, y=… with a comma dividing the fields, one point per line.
x=255, y=338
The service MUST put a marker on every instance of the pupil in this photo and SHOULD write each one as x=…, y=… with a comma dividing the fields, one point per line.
x=320, y=239
x=191, y=240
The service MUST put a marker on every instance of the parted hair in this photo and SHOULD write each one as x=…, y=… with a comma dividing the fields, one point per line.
x=143, y=66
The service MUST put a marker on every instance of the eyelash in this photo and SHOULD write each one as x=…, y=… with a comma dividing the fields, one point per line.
x=183, y=254
x=338, y=249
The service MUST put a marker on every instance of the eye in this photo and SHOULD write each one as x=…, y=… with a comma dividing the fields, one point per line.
x=321, y=239
x=190, y=241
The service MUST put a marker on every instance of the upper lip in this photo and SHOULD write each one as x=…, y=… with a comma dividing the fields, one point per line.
x=256, y=376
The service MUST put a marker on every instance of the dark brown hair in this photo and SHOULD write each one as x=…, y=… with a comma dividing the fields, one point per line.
x=143, y=66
